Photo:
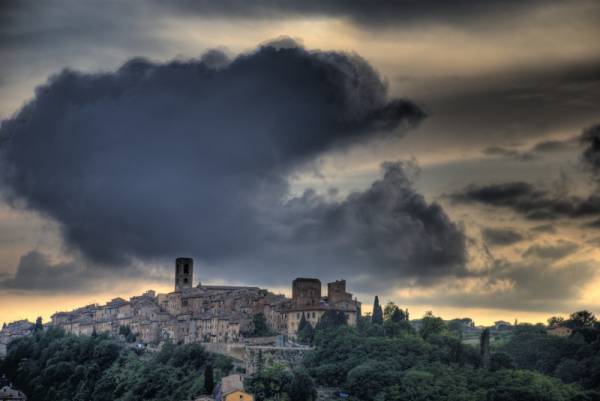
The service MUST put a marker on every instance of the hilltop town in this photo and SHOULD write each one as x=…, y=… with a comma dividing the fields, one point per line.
x=256, y=343
x=214, y=313
x=202, y=313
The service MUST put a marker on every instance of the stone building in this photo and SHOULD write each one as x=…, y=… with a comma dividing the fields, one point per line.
x=184, y=273
x=306, y=292
x=231, y=388
x=12, y=331
x=307, y=302
x=219, y=314
x=9, y=393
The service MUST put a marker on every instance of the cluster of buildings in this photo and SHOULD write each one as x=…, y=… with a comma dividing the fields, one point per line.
x=12, y=331
x=9, y=393
x=222, y=314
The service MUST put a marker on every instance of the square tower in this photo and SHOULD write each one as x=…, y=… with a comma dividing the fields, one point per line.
x=306, y=292
x=184, y=273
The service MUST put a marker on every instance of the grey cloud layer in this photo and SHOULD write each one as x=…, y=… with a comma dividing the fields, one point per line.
x=591, y=154
x=157, y=160
x=35, y=272
x=370, y=14
x=531, y=202
x=534, y=286
x=553, y=252
x=543, y=148
x=501, y=236
x=536, y=203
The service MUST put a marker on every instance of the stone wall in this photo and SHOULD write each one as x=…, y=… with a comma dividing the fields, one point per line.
x=289, y=356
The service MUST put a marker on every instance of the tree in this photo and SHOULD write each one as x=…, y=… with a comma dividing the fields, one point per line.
x=302, y=387
x=303, y=322
x=209, y=380
x=456, y=326
x=393, y=313
x=53, y=365
x=398, y=316
x=392, y=329
x=555, y=321
x=431, y=325
x=260, y=362
x=484, y=349
x=306, y=333
x=377, y=312
x=272, y=383
x=581, y=319
x=501, y=360
x=389, y=308
x=332, y=319
x=260, y=328
x=38, y=325
x=368, y=379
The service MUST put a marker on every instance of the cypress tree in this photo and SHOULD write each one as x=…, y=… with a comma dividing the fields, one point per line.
x=484, y=344
x=377, y=312
x=260, y=362
x=209, y=380
x=38, y=325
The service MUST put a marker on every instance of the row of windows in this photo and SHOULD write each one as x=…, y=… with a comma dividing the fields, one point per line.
x=298, y=315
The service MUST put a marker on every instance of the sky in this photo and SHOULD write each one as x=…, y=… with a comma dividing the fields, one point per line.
x=442, y=155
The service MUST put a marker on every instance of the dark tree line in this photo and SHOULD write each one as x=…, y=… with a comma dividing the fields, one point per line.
x=53, y=366
x=374, y=361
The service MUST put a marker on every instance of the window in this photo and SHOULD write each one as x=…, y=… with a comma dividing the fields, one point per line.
x=186, y=269
x=185, y=280
x=297, y=315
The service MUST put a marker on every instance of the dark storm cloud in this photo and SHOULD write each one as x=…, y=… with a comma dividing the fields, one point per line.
x=552, y=252
x=590, y=139
x=538, y=286
x=368, y=14
x=36, y=272
x=544, y=228
x=531, y=286
x=507, y=152
x=592, y=224
x=158, y=160
x=531, y=202
x=536, y=203
x=501, y=236
x=552, y=146
x=388, y=230
x=512, y=106
x=543, y=148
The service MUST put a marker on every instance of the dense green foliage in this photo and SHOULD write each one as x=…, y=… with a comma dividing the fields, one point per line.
x=260, y=327
x=373, y=362
x=387, y=361
x=127, y=334
x=573, y=359
x=53, y=366
x=393, y=313
x=278, y=383
x=377, y=317
x=306, y=332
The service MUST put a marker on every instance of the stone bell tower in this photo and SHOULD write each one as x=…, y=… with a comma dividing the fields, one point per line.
x=184, y=273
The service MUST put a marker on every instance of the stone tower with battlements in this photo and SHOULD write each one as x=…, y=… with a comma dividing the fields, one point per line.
x=306, y=292
x=184, y=273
